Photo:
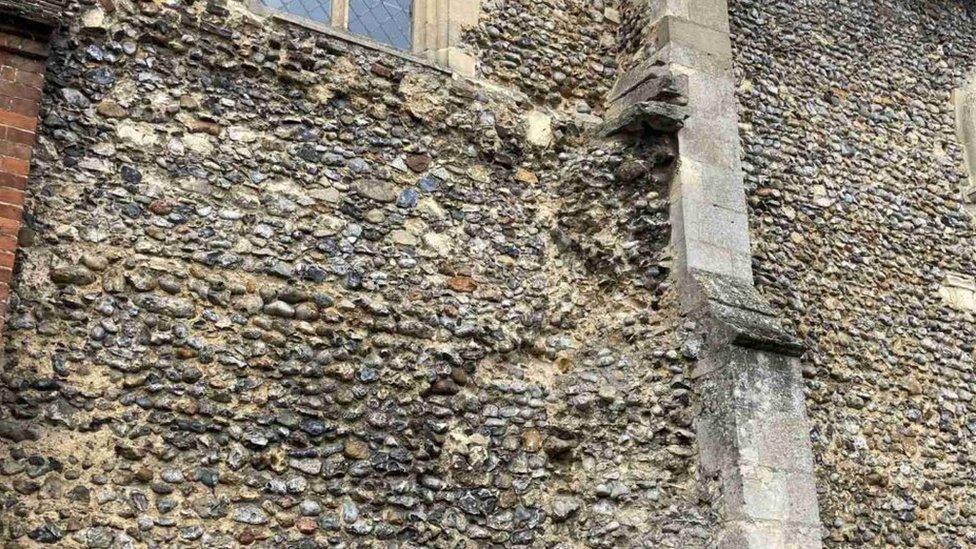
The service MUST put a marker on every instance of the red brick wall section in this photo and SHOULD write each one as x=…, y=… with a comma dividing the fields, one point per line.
x=23, y=57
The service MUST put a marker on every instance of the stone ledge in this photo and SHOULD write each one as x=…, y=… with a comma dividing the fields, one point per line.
x=739, y=315
x=649, y=115
x=651, y=75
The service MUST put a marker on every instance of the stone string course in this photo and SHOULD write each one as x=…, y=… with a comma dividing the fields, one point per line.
x=279, y=291
x=853, y=175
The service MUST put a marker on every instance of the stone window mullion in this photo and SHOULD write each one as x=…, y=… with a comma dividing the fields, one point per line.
x=421, y=15
x=340, y=14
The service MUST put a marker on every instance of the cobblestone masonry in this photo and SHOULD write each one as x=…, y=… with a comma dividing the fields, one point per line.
x=282, y=291
x=854, y=174
x=562, y=53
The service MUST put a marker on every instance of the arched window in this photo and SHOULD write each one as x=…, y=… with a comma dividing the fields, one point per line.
x=427, y=28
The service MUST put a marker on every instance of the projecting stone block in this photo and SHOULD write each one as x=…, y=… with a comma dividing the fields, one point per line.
x=456, y=59
x=651, y=115
x=754, y=438
x=647, y=70
x=649, y=80
x=703, y=256
x=708, y=236
x=711, y=134
x=776, y=495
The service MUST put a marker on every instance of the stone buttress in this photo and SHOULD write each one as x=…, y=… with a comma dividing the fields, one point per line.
x=752, y=427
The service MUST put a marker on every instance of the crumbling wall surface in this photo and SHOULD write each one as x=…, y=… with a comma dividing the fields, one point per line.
x=853, y=176
x=277, y=290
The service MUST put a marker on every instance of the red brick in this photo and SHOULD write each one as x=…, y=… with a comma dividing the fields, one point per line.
x=7, y=259
x=8, y=243
x=20, y=91
x=15, y=150
x=19, y=62
x=31, y=79
x=11, y=181
x=16, y=135
x=25, y=107
x=14, y=166
x=11, y=196
x=24, y=45
x=10, y=227
x=20, y=121
x=12, y=213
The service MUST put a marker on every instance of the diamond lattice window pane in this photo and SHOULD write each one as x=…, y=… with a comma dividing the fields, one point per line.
x=386, y=21
x=316, y=10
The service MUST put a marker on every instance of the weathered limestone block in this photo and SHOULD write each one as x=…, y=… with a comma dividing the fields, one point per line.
x=752, y=428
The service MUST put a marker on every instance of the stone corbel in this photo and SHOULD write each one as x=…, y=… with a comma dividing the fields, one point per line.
x=648, y=98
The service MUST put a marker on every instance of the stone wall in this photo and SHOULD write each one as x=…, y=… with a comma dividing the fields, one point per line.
x=561, y=53
x=275, y=289
x=854, y=178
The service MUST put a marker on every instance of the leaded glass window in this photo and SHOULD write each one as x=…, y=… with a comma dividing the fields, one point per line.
x=386, y=21
x=315, y=10
x=426, y=29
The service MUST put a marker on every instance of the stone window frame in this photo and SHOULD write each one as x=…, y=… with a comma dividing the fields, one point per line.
x=964, y=102
x=437, y=26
